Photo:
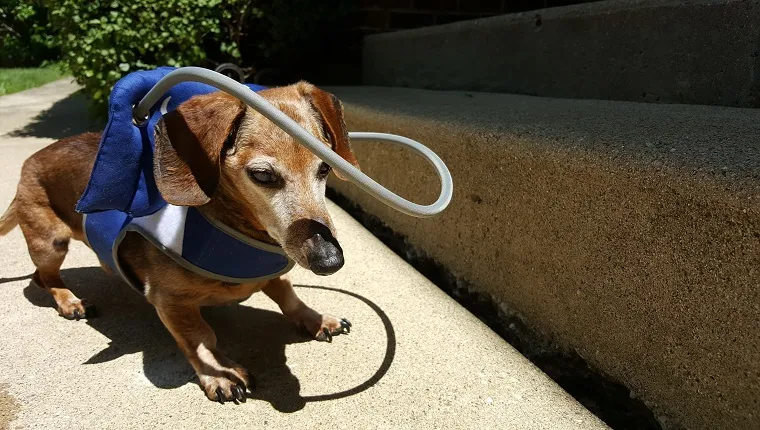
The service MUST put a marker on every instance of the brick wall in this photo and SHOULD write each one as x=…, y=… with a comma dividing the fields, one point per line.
x=373, y=16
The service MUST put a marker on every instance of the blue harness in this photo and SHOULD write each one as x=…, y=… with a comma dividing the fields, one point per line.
x=122, y=196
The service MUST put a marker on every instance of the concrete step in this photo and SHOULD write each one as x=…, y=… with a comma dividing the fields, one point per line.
x=627, y=232
x=415, y=359
x=666, y=51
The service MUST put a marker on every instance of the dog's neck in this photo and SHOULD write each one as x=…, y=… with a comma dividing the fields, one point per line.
x=238, y=217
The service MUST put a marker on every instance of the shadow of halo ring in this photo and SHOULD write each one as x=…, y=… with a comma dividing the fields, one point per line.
x=390, y=348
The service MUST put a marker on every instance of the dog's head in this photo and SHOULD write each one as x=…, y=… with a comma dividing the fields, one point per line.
x=215, y=150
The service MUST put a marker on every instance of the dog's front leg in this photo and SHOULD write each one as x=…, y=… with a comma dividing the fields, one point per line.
x=221, y=378
x=322, y=326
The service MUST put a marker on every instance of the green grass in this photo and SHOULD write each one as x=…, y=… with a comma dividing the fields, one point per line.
x=15, y=80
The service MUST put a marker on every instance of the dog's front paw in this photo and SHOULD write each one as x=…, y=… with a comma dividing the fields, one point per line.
x=331, y=326
x=76, y=309
x=227, y=384
x=321, y=327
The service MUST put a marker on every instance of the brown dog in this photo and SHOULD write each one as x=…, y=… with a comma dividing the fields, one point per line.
x=264, y=185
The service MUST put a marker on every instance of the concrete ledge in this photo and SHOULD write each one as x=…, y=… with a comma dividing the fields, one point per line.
x=697, y=52
x=628, y=232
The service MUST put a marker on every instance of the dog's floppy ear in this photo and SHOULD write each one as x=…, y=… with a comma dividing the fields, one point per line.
x=189, y=145
x=331, y=111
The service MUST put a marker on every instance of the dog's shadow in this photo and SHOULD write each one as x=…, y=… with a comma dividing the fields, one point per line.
x=255, y=338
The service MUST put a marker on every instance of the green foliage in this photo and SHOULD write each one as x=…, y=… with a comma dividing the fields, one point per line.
x=25, y=37
x=103, y=40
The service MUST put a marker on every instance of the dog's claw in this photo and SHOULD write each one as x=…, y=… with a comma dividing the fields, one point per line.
x=328, y=335
x=345, y=325
x=239, y=393
x=220, y=395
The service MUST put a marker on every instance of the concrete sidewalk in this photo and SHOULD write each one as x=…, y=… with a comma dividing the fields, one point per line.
x=415, y=359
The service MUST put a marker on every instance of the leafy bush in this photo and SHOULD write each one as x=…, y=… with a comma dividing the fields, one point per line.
x=102, y=40
x=25, y=38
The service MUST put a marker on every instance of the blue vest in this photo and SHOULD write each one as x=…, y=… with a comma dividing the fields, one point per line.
x=122, y=196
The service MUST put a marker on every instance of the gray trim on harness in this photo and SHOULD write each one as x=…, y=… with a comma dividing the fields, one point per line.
x=186, y=264
x=84, y=230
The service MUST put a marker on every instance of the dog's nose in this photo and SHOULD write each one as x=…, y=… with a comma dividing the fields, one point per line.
x=311, y=243
x=324, y=257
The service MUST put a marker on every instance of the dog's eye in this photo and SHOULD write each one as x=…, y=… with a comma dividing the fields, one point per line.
x=324, y=170
x=263, y=177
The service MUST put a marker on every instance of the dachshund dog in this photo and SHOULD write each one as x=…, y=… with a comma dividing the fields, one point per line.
x=237, y=167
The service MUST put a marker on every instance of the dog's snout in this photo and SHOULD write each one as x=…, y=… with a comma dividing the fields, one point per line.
x=324, y=257
x=312, y=244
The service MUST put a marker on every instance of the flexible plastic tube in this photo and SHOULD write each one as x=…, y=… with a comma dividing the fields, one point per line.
x=313, y=144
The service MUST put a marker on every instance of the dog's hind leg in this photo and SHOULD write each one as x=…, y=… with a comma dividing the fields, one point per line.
x=47, y=238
